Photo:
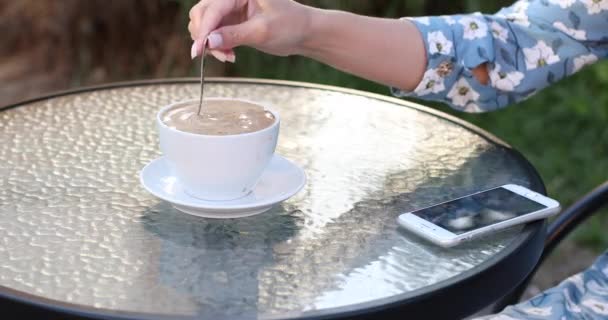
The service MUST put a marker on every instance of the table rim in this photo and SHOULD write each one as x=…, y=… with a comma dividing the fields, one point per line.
x=358, y=309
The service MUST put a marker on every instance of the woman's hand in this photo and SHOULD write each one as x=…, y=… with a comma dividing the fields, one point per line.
x=273, y=26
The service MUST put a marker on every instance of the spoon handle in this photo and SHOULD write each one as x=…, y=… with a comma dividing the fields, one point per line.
x=200, y=101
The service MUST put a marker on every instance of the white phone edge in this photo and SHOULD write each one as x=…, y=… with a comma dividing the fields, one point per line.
x=445, y=238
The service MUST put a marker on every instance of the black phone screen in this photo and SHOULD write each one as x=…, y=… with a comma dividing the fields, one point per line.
x=478, y=210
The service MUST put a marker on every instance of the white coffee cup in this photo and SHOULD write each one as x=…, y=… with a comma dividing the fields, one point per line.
x=217, y=167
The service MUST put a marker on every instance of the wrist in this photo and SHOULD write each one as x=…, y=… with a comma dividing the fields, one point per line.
x=313, y=33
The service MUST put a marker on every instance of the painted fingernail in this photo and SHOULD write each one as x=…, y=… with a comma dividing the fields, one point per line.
x=218, y=55
x=194, y=50
x=215, y=40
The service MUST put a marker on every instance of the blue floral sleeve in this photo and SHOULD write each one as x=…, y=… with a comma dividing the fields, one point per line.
x=582, y=296
x=527, y=47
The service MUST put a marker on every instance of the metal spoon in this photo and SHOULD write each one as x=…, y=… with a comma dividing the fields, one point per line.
x=200, y=101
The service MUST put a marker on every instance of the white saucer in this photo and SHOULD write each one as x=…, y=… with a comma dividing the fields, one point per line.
x=281, y=180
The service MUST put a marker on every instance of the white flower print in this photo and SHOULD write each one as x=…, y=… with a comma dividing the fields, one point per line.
x=597, y=288
x=595, y=6
x=431, y=83
x=499, y=32
x=539, y=56
x=563, y=3
x=598, y=306
x=438, y=43
x=473, y=28
x=505, y=81
x=519, y=18
x=576, y=34
x=581, y=61
x=521, y=6
x=578, y=281
x=570, y=304
x=424, y=20
x=461, y=93
x=518, y=15
x=538, y=311
x=449, y=20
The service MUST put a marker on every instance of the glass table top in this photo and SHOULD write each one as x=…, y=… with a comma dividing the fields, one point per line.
x=77, y=227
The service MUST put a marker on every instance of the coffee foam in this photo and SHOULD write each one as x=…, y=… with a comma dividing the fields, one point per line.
x=218, y=117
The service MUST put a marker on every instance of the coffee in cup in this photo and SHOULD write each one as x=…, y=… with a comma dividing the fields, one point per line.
x=219, y=117
x=221, y=154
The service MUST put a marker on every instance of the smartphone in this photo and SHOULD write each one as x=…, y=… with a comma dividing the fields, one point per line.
x=450, y=223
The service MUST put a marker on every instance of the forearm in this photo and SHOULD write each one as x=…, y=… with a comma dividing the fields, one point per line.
x=387, y=51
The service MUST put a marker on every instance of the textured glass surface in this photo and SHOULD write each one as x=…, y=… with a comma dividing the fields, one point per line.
x=76, y=226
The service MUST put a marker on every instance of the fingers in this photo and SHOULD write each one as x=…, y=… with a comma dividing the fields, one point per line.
x=211, y=14
x=221, y=55
x=197, y=47
x=208, y=15
x=250, y=32
x=195, y=14
x=192, y=30
x=196, y=10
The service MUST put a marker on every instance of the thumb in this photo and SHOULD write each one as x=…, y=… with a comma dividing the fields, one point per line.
x=250, y=32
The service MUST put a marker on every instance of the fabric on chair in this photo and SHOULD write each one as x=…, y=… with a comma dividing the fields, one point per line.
x=581, y=296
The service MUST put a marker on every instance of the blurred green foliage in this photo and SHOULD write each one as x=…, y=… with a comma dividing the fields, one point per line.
x=561, y=130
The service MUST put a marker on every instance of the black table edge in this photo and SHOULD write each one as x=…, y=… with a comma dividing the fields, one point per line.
x=504, y=270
